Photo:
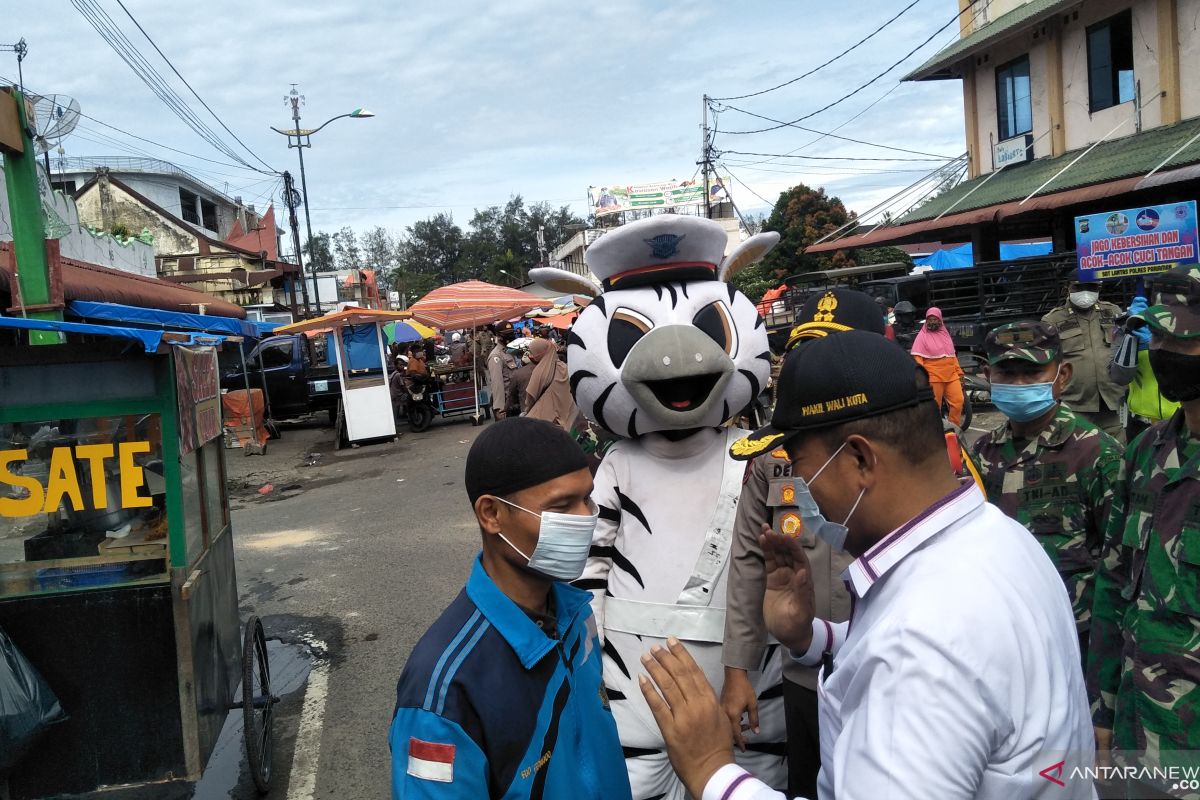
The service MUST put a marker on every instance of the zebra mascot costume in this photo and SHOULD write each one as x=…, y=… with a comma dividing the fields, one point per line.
x=667, y=353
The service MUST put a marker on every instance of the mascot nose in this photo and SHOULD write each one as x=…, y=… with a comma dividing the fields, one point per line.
x=675, y=351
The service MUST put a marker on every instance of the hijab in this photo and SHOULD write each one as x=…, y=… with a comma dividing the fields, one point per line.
x=549, y=388
x=933, y=344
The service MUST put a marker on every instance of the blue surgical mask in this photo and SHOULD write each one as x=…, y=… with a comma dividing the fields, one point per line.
x=831, y=533
x=564, y=541
x=1023, y=402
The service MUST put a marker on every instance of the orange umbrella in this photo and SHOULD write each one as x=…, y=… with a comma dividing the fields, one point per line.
x=471, y=304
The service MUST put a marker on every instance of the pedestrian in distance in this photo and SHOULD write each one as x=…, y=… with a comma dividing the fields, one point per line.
x=502, y=696
x=958, y=674
x=1087, y=327
x=1047, y=467
x=549, y=389
x=934, y=350
x=500, y=366
x=1144, y=659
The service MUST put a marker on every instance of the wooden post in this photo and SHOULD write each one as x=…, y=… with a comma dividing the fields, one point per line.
x=1168, y=60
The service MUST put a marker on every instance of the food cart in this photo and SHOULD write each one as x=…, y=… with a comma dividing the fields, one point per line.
x=365, y=410
x=117, y=578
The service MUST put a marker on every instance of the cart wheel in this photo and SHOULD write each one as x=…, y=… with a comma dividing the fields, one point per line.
x=258, y=705
x=420, y=417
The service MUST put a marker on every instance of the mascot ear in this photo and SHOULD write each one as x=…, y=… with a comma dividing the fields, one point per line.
x=559, y=280
x=748, y=252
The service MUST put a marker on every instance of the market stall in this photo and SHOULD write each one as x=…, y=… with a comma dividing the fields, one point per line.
x=117, y=577
x=359, y=350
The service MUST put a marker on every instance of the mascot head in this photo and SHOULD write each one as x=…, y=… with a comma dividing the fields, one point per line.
x=667, y=343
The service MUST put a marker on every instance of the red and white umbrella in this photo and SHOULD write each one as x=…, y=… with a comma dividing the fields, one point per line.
x=471, y=304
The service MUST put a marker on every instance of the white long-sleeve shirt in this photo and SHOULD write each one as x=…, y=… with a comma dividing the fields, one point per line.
x=958, y=676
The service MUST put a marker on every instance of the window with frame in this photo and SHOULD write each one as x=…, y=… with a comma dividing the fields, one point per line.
x=1110, y=62
x=187, y=206
x=1014, y=104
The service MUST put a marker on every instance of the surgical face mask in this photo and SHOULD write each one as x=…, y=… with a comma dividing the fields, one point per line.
x=831, y=533
x=564, y=541
x=1023, y=402
x=1178, y=375
x=1084, y=300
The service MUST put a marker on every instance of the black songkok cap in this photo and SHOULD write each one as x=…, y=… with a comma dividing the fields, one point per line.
x=519, y=452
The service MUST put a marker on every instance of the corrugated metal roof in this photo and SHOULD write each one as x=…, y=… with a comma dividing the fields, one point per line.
x=982, y=38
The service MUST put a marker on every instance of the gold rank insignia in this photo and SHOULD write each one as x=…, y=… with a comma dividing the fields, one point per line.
x=825, y=308
x=790, y=525
x=751, y=447
x=788, y=495
x=779, y=453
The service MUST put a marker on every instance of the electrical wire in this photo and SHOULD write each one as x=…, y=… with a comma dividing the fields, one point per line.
x=819, y=67
x=190, y=89
x=833, y=158
x=855, y=91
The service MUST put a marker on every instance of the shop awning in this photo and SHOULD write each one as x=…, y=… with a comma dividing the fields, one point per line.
x=998, y=30
x=90, y=282
x=151, y=341
x=164, y=320
x=1111, y=169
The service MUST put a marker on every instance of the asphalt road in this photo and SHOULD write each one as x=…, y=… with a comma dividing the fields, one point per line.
x=348, y=561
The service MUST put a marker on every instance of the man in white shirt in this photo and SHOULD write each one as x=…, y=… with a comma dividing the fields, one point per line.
x=957, y=676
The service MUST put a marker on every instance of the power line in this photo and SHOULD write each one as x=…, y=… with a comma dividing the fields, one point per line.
x=830, y=61
x=831, y=158
x=855, y=91
x=746, y=187
x=190, y=89
x=830, y=134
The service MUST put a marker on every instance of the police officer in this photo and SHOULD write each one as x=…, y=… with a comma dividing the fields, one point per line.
x=768, y=497
x=1144, y=662
x=1047, y=467
x=1087, y=328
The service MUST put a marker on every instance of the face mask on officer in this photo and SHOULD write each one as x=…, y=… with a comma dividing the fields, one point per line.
x=1083, y=298
x=1023, y=402
x=831, y=533
x=1178, y=374
x=564, y=541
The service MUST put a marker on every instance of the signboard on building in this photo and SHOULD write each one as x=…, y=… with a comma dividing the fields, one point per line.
x=615, y=198
x=1016, y=150
x=1136, y=241
x=198, y=388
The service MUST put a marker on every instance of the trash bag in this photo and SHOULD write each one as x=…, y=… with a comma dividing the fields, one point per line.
x=27, y=705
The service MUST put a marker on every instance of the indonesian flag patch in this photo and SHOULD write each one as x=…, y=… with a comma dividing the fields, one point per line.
x=430, y=761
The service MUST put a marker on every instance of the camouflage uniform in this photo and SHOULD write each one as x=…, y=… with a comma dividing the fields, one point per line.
x=1144, y=665
x=1061, y=486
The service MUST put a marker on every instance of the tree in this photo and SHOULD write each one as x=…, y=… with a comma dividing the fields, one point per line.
x=432, y=247
x=318, y=255
x=345, y=248
x=801, y=216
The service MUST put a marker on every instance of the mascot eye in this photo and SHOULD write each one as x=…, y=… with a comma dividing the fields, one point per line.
x=716, y=321
x=624, y=331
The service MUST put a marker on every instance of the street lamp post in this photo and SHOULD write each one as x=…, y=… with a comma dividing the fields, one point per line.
x=301, y=138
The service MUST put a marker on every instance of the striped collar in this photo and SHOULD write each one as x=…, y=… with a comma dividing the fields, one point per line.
x=525, y=638
x=872, y=565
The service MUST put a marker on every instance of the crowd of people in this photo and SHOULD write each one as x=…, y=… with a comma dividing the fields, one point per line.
x=979, y=625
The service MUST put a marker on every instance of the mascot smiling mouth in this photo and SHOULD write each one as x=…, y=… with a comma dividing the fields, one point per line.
x=684, y=394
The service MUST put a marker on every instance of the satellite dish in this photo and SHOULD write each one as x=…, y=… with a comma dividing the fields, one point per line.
x=54, y=116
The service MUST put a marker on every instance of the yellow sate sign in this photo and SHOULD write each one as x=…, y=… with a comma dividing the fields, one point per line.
x=63, y=481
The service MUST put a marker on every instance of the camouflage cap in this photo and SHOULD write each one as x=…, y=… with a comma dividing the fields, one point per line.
x=1036, y=342
x=1176, y=298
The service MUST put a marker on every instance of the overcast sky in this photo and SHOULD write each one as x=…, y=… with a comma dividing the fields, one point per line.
x=476, y=101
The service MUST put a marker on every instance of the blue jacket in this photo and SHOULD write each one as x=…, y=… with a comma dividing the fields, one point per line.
x=490, y=706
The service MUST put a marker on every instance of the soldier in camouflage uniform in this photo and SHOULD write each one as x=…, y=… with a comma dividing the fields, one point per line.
x=1144, y=664
x=1047, y=467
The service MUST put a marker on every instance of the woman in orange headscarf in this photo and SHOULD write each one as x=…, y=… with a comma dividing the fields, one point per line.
x=548, y=395
x=934, y=350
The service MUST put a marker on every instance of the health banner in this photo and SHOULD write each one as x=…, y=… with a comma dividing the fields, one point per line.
x=1136, y=241
x=614, y=198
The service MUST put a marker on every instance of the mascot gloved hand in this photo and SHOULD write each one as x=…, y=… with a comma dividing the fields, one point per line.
x=664, y=356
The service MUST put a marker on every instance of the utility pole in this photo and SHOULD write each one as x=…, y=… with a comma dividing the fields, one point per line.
x=295, y=98
x=541, y=241
x=705, y=155
x=291, y=199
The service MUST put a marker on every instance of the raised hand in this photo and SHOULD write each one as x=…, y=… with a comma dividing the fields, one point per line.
x=789, y=600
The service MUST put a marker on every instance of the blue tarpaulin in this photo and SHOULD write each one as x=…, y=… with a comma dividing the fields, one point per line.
x=361, y=347
x=164, y=320
x=962, y=256
x=149, y=340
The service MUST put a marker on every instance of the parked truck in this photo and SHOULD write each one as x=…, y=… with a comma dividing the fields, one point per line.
x=295, y=373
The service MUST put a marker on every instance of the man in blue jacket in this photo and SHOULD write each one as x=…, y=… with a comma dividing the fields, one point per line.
x=502, y=696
